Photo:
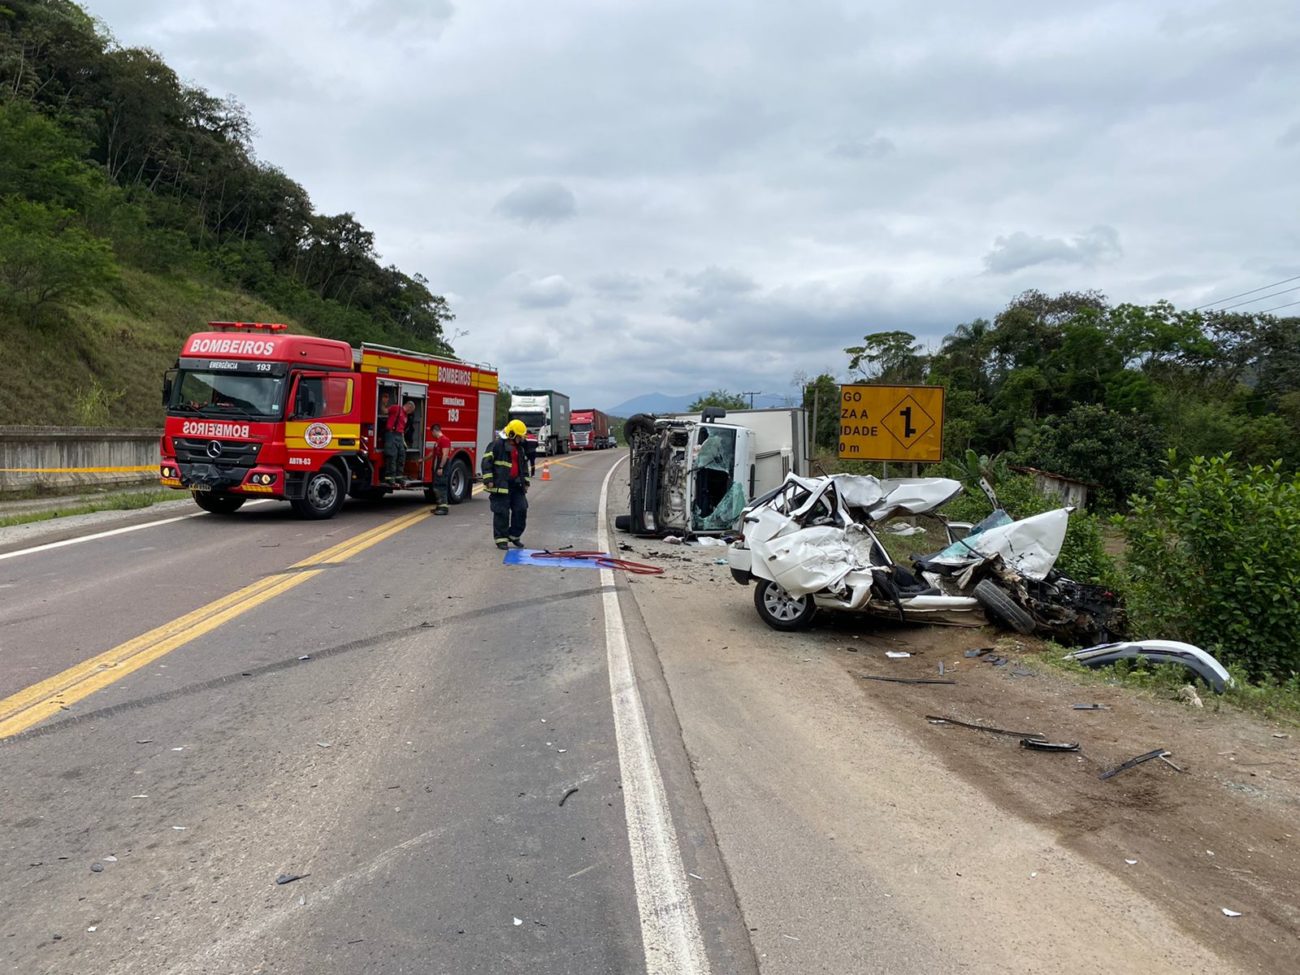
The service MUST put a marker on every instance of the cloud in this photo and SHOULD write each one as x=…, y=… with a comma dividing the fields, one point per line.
x=538, y=202
x=1021, y=250
x=618, y=286
x=410, y=20
x=816, y=171
x=548, y=292
x=874, y=147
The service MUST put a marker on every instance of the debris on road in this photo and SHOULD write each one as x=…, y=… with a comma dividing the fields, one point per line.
x=1193, y=658
x=896, y=654
x=1187, y=693
x=518, y=921
x=1039, y=745
x=1090, y=707
x=96, y=868
x=1130, y=862
x=564, y=797
x=288, y=878
x=144, y=741
x=944, y=719
x=305, y=656
x=1134, y=762
x=1228, y=913
x=907, y=680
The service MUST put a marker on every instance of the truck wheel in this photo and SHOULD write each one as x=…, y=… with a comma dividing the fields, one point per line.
x=323, y=495
x=459, y=482
x=217, y=503
x=1001, y=608
x=781, y=611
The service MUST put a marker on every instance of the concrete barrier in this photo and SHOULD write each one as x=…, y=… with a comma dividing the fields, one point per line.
x=61, y=459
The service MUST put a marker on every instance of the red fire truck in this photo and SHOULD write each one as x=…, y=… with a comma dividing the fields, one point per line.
x=253, y=412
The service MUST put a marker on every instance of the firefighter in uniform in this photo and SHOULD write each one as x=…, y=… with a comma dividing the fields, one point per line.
x=505, y=476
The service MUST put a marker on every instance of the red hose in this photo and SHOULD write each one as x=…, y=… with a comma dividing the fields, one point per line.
x=605, y=561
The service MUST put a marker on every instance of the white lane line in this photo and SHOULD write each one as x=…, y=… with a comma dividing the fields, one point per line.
x=116, y=531
x=670, y=931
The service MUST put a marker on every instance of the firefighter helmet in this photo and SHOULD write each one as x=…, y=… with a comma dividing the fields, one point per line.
x=516, y=428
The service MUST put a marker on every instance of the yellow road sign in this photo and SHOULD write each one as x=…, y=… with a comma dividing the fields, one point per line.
x=891, y=423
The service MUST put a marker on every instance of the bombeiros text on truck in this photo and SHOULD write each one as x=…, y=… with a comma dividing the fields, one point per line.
x=255, y=413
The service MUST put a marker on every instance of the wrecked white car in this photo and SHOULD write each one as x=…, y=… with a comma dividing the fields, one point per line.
x=812, y=545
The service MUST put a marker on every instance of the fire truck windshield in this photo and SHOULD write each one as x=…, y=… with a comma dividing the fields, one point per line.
x=228, y=393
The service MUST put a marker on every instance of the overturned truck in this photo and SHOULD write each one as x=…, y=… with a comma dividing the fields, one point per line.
x=812, y=545
x=694, y=474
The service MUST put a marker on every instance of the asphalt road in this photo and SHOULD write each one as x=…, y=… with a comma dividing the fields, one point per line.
x=191, y=710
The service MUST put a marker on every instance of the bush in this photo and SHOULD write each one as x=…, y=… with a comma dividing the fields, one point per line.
x=1213, y=561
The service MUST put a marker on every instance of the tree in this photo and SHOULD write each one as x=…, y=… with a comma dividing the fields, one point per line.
x=821, y=398
x=890, y=357
x=47, y=262
x=719, y=397
x=1121, y=452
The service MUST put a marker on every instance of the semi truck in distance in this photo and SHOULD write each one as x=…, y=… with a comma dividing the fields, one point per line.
x=546, y=415
x=590, y=430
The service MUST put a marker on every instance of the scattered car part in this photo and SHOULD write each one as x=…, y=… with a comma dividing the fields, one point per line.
x=907, y=680
x=1002, y=607
x=944, y=719
x=1162, y=652
x=1134, y=762
x=1089, y=707
x=1039, y=745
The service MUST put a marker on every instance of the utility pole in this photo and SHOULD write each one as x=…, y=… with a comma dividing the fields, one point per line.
x=751, y=395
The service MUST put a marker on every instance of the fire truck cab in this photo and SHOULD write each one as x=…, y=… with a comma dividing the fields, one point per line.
x=252, y=412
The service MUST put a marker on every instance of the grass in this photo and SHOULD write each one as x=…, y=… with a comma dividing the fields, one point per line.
x=120, y=502
x=106, y=358
x=1270, y=699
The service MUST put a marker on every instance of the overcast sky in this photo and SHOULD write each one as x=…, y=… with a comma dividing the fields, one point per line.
x=620, y=198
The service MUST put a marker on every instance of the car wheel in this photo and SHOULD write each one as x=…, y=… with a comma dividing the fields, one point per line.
x=217, y=503
x=1001, y=608
x=623, y=523
x=459, y=483
x=781, y=611
x=323, y=495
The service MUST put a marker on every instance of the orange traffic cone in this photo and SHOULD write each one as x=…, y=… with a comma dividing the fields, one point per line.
x=546, y=471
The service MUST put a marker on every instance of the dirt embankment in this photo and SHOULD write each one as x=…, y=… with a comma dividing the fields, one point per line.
x=1219, y=834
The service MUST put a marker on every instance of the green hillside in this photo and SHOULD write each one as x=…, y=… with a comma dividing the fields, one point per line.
x=133, y=210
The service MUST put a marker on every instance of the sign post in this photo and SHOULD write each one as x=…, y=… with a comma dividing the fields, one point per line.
x=891, y=423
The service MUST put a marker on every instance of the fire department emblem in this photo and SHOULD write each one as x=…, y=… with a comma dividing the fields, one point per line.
x=318, y=435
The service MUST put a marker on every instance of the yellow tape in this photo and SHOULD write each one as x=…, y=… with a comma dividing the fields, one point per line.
x=78, y=470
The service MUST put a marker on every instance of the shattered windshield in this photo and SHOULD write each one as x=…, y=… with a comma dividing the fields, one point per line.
x=228, y=393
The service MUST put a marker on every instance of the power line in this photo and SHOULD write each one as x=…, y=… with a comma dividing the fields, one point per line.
x=1276, y=307
x=1244, y=293
x=1251, y=301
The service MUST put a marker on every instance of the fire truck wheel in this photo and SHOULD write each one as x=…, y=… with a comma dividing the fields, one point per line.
x=323, y=495
x=217, y=503
x=459, y=482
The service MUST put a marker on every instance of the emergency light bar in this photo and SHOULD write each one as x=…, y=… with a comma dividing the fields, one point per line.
x=253, y=326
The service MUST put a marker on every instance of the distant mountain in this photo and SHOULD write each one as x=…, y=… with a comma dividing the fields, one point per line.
x=663, y=403
x=654, y=403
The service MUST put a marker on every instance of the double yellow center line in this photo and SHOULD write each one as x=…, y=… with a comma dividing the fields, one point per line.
x=35, y=704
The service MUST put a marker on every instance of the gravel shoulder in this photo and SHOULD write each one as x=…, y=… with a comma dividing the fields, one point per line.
x=858, y=833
